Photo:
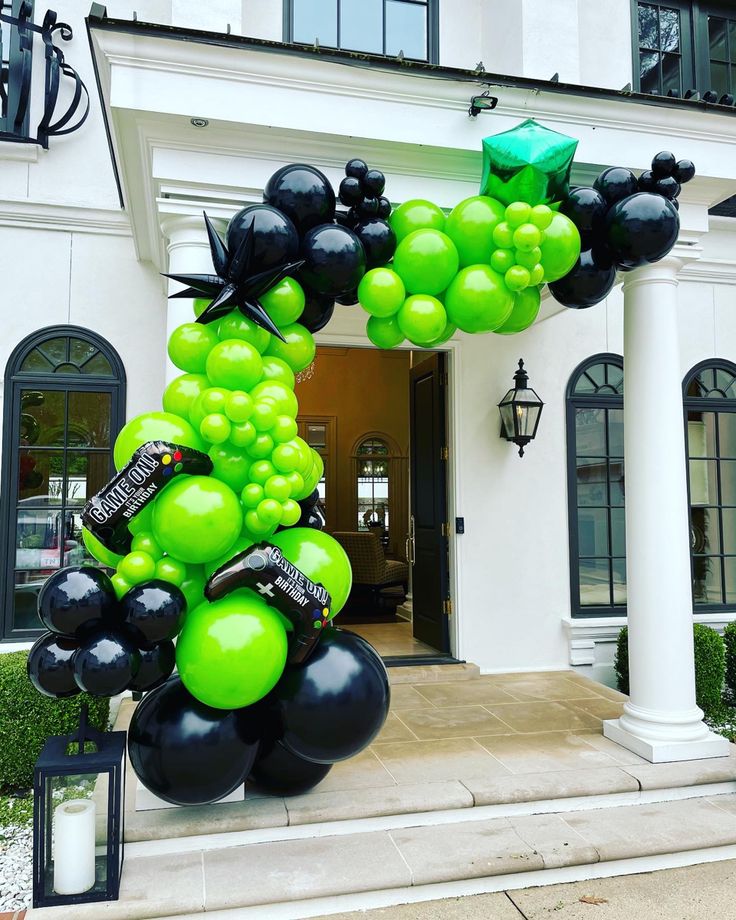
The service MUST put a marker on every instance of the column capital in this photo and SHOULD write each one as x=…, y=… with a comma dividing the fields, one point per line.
x=666, y=270
x=183, y=230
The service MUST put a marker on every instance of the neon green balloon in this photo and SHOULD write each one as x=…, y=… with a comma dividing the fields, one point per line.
x=189, y=346
x=242, y=434
x=215, y=428
x=154, y=426
x=276, y=369
x=280, y=393
x=200, y=305
x=518, y=213
x=145, y=542
x=384, y=332
x=261, y=447
x=447, y=333
x=541, y=216
x=560, y=247
x=142, y=521
x=231, y=653
x=261, y=470
x=297, y=351
x=193, y=586
x=120, y=585
x=237, y=326
x=381, y=292
x=264, y=415
x=137, y=567
x=517, y=278
x=422, y=319
x=269, y=511
x=231, y=465
x=239, y=406
x=98, y=550
x=286, y=458
x=524, y=312
x=252, y=495
x=213, y=399
x=470, y=227
x=527, y=237
x=235, y=364
x=502, y=260
x=427, y=261
x=296, y=481
x=277, y=487
x=321, y=558
x=416, y=214
x=291, y=513
x=503, y=235
x=284, y=302
x=285, y=429
x=242, y=543
x=197, y=518
x=181, y=393
x=478, y=300
x=256, y=525
x=171, y=570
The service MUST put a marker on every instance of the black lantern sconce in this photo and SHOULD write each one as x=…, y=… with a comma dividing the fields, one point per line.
x=520, y=410
x=78, y=811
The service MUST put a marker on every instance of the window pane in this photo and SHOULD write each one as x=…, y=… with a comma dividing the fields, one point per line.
x=649, y=72
x=728, y=482
x=40, y=477
x=701, y=440
x=55, y=349
x=729, y=530
x=648, y=26
x=86, y=474
x=81, y=351
x=616, y=432
x=37, y=362
x=361, y=25
x=593, y=532
x=315, y=19
x=89, y=419
x=732, y=40
x=406, y=29
x=595, y=589
x=98, y=366
x=618, y=532
x=615, y=378
x=717, y=38
x=42, y=417
x=719, y=81
x=591, y=476
x=705, y=535
x=727, y=433
x=729, y=568
x=669, y=30
x=703, y=482
x=27, y=585
x=38, y=540
x=617, y=484
x=671, y=77
x=590, y=432
x=619, y=581
x=726, y=383
x=707, y=580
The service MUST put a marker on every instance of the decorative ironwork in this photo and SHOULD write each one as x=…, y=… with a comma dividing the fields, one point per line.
x=16, y=73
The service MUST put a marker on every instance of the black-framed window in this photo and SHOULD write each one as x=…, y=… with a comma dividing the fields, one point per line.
x=597, y=528
x=710, y=414
x=385, y=27
x=64, y=405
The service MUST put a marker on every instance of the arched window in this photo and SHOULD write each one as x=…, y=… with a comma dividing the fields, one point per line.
x=64, y=405
x=595, y=444
x=710, y=412
x=373, y=485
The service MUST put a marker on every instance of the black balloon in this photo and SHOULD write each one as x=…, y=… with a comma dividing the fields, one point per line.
x=587, y=283
x=616, y=183
x=351, y=191
x=368, y=207
x=275, y=239
x=334, y=259
x=155, y=611
x=50, y=666
x=384, y=208
x=317, y=312
x=684, y=171
x=303, y=193
x=379, y=241
x=72, y=597
x=188, y=753
x=356, y=168
x=374, y=182
x=647, y=181
x=669, y=187
x=280, y=772
x=664, y=164
x=641, y=229
x=157, y=665
x=333, y=706
x=105, y=663
x=313, y=514
x=586, y=207
x=348, y=299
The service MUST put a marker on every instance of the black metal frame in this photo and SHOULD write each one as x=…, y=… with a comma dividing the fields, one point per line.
x=14, y=382
x=715, y=405
x=573, y=402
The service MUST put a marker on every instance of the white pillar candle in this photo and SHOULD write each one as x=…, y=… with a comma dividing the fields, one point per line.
x=74, y=846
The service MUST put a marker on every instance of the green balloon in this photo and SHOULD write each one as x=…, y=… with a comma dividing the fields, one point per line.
x=282, y=395
x=197, y=518
x=416, y=214
x=478, y=300
x=523, y=313
x=242, y=543
x=560, y=247
x=189, y=346
x=99, y=551
x=277, y=369
x=284, y=302
x=297, y=351
x=200, y=305
x=213, y=399
x=381, y=292
x=231, y=465
x=181, y=393
x=154, y=426
x=237, y=326
x=120, y=585
x=143, y=521
x=193, y=586
x=321, y=558
x=447, y=333
x=144, y=542
x=427, y=261
x=234, y=363
x=384, y=332
x=470, y=227
x=137, y=567
x=171, y=570
x=232, y=652
x=215, y=428
x=422, y=319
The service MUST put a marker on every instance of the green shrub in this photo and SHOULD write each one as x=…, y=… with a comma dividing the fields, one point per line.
x=710, y=666
x=729, y=637
x=27, y=719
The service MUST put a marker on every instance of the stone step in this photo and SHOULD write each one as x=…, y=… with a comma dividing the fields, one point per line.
x=428, y=673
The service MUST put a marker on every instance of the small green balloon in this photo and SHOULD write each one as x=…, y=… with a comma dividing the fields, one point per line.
x=503, y=235
x=527, y=237
x=528, y=259
x=284, y=429
x=213, y=399
x=284, y=302
x=297, y=351
x=541, y=216
x=264, y=414
x=518, y=213
x=154, y=426
x=171, y=570
x=447, y=333
x=237, y=326
x=215, y=428
x=296, y=483
x=234, y=363
x=321, y=558
x=261, y=471
x=200, y=305
x=145, y=542
x=416, y=214
x=276, y=369
x=230, y=465
x=181, y=393
x=517, y=278
x=282, y=395
x=384, y=332
x=286, y=458
x=470, y=226
x=422, y=319
x=269, y=511
x=427, y=261
x=257, y=526
x=239, y=406
x=261, y=447
x=137, y=567
x=142, y=521
x=381, y=292
x=120, y=585
x=524, y=312
x=560, y=247
x=478, y=300
x=502, y=260
x=232, y=652
x=189, y=346
x=242, y=434
x=252, y=495
x=277, y=487
x=290, y=513
x=99, y=551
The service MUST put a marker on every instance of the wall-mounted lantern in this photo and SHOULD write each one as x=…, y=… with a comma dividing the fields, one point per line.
x=520, y=410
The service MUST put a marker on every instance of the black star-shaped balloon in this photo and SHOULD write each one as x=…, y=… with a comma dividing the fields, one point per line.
x=234, y=285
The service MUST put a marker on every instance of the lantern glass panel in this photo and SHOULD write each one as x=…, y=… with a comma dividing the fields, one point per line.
x=507, y=418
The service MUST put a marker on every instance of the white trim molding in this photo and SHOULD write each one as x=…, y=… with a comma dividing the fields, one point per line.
x=33, y=215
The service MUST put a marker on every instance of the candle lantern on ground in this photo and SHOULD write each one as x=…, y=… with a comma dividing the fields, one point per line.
x=78, y=809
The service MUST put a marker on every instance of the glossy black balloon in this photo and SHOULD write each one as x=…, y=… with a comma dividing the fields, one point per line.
x=303, y=193
x=664, y=164
x=586, y=207
x=275, y=240
x=351, y=191
x=157, y=665
x=616, y=183
x=669, y=187
x=348, y=299
x=105, y=663
x=374, y=182
x=586, y=284
x=641, y=229
x=346, y=218
x=334, y=259
x=684, y=171
x=368, y=207
x=647, y=181
x=333, y=706
x=379, y=241
x=313, y=514
x=155, y=611
x=384, y=208
x=318, y=310
x=188, y=753
x=72, y=597
x=279, y=772
x=357, y=168
x=50, y=667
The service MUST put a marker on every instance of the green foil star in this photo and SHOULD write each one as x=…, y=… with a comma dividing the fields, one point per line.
x=528, y=163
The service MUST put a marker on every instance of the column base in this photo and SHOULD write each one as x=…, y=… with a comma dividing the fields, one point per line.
x=663, y=751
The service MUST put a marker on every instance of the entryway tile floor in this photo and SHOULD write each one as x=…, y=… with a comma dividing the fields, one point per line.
x=392, y=639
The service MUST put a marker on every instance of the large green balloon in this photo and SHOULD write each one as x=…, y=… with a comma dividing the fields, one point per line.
x=231, y=465
x=416, y=214
x=280, y=393
x=478, y=300
x=154, y=426
x=189, y=346
x=524, y=312
x=422, y=319
x=426, y=261
x=470, y=227
x=321, y=558
x=232, y=652
x=237, y=326
x=381, y=292
x=560, y=247
x=278, y=369
x=182, y=391
x=235, y=364
x=284, y=302
x=384, y=331
x=297, y=351
x=197, y=518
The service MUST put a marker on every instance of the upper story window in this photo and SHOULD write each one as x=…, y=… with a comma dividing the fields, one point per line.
x=664, y=33
x=385, y=27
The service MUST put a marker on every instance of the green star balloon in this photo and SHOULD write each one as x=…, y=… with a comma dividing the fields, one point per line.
x=528, y=163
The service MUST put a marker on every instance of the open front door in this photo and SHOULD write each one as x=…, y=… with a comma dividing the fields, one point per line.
x=428, y=537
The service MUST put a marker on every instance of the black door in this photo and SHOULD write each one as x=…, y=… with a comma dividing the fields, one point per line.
x=430, y=583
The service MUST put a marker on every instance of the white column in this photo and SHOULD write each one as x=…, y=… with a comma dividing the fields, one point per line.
x=661, y=721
